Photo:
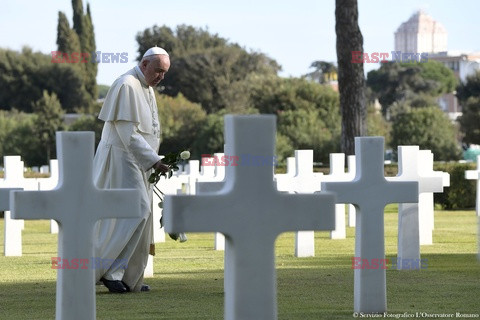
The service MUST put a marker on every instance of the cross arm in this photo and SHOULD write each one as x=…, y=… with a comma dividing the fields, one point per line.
x=199, y=213
x=5, y=197
x=305, y=212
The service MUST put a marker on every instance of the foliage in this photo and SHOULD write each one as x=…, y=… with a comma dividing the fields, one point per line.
x=428, y=128
x=462, y=193
x=377, y=125
x=80, y=38
x=469, y=89
x=18, y=137
x=181, y=42
x=102, y=91
x=407, y=82
x=205, y=68
x=49, y=119
x=469, y=95
x=209, y=139
x=283, y=149
x=470, y=120
x=323, y=72
x=307, y=129
x=181, y=122
x=67, y=38
x=25, y=75
x=88, y=123
x=308, y=113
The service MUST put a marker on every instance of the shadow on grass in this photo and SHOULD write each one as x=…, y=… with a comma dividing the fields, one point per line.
x=310, y=288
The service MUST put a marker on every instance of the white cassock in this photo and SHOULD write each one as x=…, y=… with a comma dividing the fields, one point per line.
x=127, y=151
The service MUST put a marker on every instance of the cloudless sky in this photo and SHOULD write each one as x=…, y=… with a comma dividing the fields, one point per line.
x=294, y=33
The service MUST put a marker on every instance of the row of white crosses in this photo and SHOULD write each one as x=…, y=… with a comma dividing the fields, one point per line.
x=251, y=212
x=76, y=204
x=475, y=175
x=246, y=207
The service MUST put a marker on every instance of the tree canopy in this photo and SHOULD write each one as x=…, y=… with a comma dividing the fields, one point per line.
x=410, y=82
x=206, y=68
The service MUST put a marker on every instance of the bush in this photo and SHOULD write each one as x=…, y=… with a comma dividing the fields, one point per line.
x=461, y=193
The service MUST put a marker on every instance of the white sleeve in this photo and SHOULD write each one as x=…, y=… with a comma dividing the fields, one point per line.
x=134, y=143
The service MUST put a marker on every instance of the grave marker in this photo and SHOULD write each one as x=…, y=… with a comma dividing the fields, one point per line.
x=76, y=204
x=12, y=228
x=251, y=213
x=370, y=193
x=412, y=167
x=475, y=175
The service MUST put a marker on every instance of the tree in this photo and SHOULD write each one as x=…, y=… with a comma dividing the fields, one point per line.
x=24, y=75
x=323, y=72
x=468, y=94
x=67, y=38
x=49, y=120
x=470, y=120
x=429, y=128
x=471, y=88
x=308, y=113
x=307, y=129
x=205, y=68
x=351, y=81
x=83, y=33
x=89, y=46
x=181, y=123
x=17, y=137
x=415, y=84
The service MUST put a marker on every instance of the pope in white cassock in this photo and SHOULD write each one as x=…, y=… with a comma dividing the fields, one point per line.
x=126, y=155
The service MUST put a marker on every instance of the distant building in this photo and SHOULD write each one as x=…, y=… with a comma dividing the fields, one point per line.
x=421, y=34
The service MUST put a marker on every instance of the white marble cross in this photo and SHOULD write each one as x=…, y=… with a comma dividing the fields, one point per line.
x=475, y=175
x=426, y=199
x=251, y=213
x=338, y=174
x=12, y=228
x=76, y=204
x=207, y=187
x=370, y=193
x=412, y=168
x=50, y=184
x=351, y=176
x=14, y=178
x=304, y=181
x=282, y=179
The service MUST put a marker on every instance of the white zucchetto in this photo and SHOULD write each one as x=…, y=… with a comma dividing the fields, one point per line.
x=155, y=50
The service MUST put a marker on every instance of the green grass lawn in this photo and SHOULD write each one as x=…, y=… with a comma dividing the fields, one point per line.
x=188, y=279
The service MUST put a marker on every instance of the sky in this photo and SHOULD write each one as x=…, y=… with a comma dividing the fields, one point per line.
x=294, y=33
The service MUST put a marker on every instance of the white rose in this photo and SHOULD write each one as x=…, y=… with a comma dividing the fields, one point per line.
x=184, y=155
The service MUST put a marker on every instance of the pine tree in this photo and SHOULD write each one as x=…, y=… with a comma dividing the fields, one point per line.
x=78, y=19
x=91, y=68
x=80, y=38
x=49, y=119
x=67, y=39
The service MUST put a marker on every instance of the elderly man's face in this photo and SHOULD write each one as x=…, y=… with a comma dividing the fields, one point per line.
x=155, y=69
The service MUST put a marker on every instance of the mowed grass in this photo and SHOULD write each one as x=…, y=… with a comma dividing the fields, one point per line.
x=188, y=279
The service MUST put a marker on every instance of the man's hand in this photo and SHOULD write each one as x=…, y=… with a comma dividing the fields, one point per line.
x=160, y=166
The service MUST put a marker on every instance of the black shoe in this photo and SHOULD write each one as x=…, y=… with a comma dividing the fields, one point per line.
x=114, y=286
x=145, y=288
